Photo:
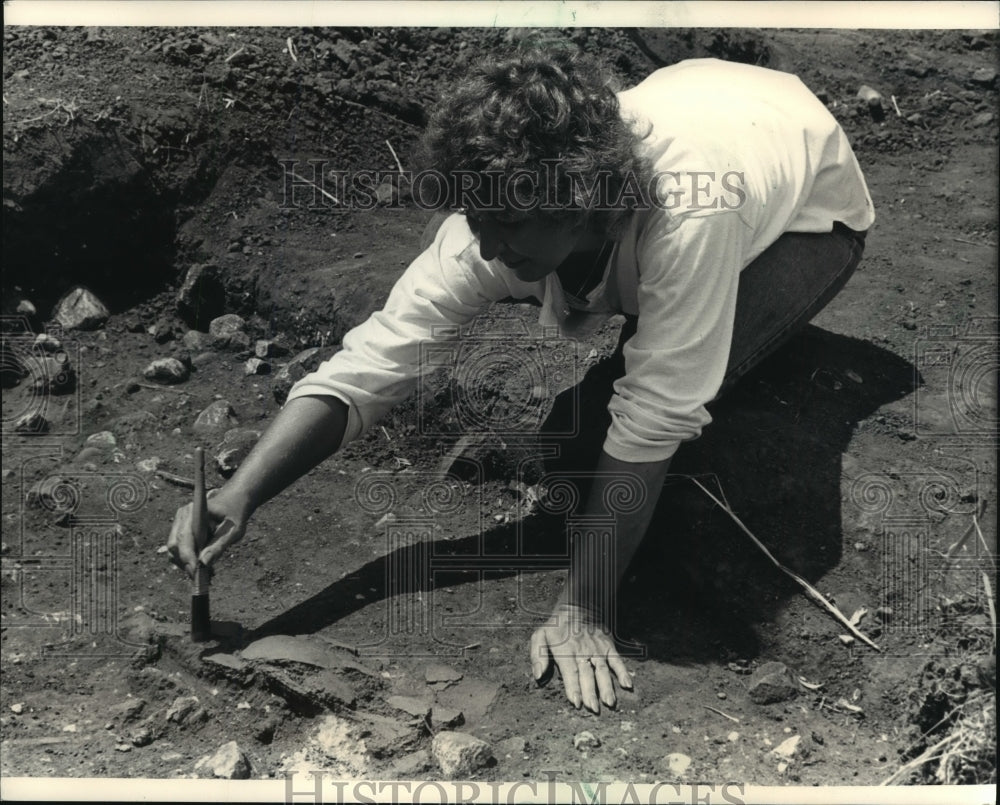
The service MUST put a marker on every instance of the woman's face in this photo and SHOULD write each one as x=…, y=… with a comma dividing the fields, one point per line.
x=529, y=246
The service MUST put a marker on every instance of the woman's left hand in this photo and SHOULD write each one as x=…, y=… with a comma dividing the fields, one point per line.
x=585, y=655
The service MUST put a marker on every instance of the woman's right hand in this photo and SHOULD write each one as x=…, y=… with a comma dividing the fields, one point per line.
x=227, y=522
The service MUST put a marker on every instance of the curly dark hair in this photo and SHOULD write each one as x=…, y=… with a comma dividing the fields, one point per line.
x=547, y=116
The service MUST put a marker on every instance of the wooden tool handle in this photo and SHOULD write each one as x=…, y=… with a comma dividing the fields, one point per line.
x=201, y=627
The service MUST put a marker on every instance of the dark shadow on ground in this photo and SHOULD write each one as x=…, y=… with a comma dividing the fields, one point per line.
x=697, y=586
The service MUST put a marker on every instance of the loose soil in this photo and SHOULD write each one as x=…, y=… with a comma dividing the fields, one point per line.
x=862, y=454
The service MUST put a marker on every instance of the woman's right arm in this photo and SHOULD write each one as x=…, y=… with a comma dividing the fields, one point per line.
x=306, y=431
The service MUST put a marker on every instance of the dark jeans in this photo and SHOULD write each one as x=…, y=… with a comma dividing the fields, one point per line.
x=779, y=293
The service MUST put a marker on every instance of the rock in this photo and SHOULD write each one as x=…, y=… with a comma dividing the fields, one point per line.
x=80, y=310
x=32, y=422
x=17, y=708
x=305, y=650
x=47, y=343
x=435, y=673
x=236, y=446
x=270, y=348
x=770, y=683
x=228, y=762
x=26, y=308
x=984, y=77
x=217, y=416
x=202, y=296
x=196, y=340
x=870, y=96
x=982, y=119
x=184, y=710
x=104, y=440
x=128, y=710
x=226, y=661
x=143, y=736
x=447, y=717
x=290, y=373
x=585, y=740
x=415, y=706
x=166, y=370
x=148, y=465
x=256, y=366
x=164, y=330
x=677, y=763
x=787, y=748
x=229, y=332
x=460, y=754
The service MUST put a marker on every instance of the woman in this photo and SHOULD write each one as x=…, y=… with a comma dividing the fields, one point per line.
x=717, y=205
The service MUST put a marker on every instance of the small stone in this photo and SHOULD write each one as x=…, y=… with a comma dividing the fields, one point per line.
x=228, y=762
x=721, y=695
x=585, y=740
x=69, y=728
x=677, y=763
x=26, y=308
x=460, y=754
x=733, y=736
x=182, y=709
x=870, y=96
x=256, y=366
x=80, y=310
x=884, y=614
x=229, y=332
x=47, y=343
x=148, y=465
x=217, y=416
x=290, y=373
x=123, y=747
x=788, y=747
x=236, y=446
x=982, y=119
x=142, y=737
x=17, y=708
x=770, y=683
x=104, y=439
x=166, y=370
x=984, y=77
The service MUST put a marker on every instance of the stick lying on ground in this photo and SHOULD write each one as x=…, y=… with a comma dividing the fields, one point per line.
x=811, y=591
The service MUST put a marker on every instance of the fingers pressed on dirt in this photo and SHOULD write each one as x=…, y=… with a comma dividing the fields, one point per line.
x=571, y=679
x=539, y=654
x=225, y=535
x=588, y=685
x=605, y=686
x=621, y=672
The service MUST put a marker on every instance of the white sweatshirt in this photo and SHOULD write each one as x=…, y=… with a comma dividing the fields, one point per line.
x=743, y=155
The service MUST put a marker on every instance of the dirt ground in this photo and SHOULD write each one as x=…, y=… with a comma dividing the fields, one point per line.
x=862, y=455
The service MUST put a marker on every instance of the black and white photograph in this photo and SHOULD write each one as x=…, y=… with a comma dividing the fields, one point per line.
x=499, y=402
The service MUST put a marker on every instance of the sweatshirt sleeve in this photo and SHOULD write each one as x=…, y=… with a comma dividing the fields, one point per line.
x=676, y=361
x=379, y=365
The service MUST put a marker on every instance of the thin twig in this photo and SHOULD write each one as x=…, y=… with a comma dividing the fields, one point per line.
x=393, y=151
x=235, y=53
x=291, y=49
x=176, y=480
x=330, y=196
x=811, y=591
x=719, y=712
x=895, y=105
x=988, y=243
x=162, y=388
x=386, y=433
